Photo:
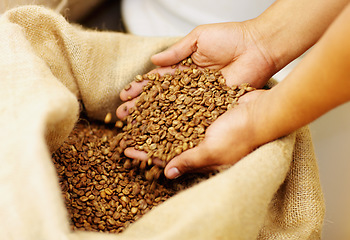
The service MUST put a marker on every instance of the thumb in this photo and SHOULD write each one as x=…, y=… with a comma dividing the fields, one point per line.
x=188, y=161
x=177, y=52
x=246, y=70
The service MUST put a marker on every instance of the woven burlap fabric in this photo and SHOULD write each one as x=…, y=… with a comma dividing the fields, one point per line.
x=48, y=65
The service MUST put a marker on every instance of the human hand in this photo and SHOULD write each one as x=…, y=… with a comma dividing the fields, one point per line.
x=233, y=48
x=228, y=139
x=241, y=59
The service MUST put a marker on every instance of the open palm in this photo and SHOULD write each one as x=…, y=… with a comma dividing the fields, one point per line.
x=232, y=48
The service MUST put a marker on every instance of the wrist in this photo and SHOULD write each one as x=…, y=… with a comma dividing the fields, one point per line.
x=264, y=118
x=269, y=39
x=288, y=28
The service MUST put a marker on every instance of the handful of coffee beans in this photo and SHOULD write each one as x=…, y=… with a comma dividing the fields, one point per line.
x=174, y=111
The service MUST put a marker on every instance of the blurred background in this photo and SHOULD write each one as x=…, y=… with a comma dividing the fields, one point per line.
x=330, y=133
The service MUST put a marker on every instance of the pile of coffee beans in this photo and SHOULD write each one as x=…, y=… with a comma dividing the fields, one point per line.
x=102, y=189
x=174, y=111
x=106, y=191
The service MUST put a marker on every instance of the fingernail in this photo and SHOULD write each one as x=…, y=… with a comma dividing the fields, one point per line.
x=173, y=173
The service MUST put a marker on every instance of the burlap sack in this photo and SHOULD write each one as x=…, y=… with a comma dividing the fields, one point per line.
x=47, y=65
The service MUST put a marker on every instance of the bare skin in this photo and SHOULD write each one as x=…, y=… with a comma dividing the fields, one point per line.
x=318, y=84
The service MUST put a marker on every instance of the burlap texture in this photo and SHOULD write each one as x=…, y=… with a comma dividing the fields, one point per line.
x=47, y=65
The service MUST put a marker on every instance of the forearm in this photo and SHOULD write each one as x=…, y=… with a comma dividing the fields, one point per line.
x=319, y=83
x=289, y=27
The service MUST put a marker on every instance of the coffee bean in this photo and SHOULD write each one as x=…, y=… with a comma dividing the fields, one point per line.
x=111, y=192
x=177, y=109
x=108, y=118
x=106, y=191
x=127, y=87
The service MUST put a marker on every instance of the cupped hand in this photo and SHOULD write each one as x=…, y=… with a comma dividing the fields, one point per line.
x=234, y=48
x=227, y=140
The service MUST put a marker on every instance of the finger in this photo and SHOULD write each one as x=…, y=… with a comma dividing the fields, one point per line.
x=163, y=70
x=135, y=154
x=136, y=88
x=142, y=156
x=177, y=52
x=132, y=90
x=250, y=96
x=123, y=110
x=243, y=70
x=189, y=161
